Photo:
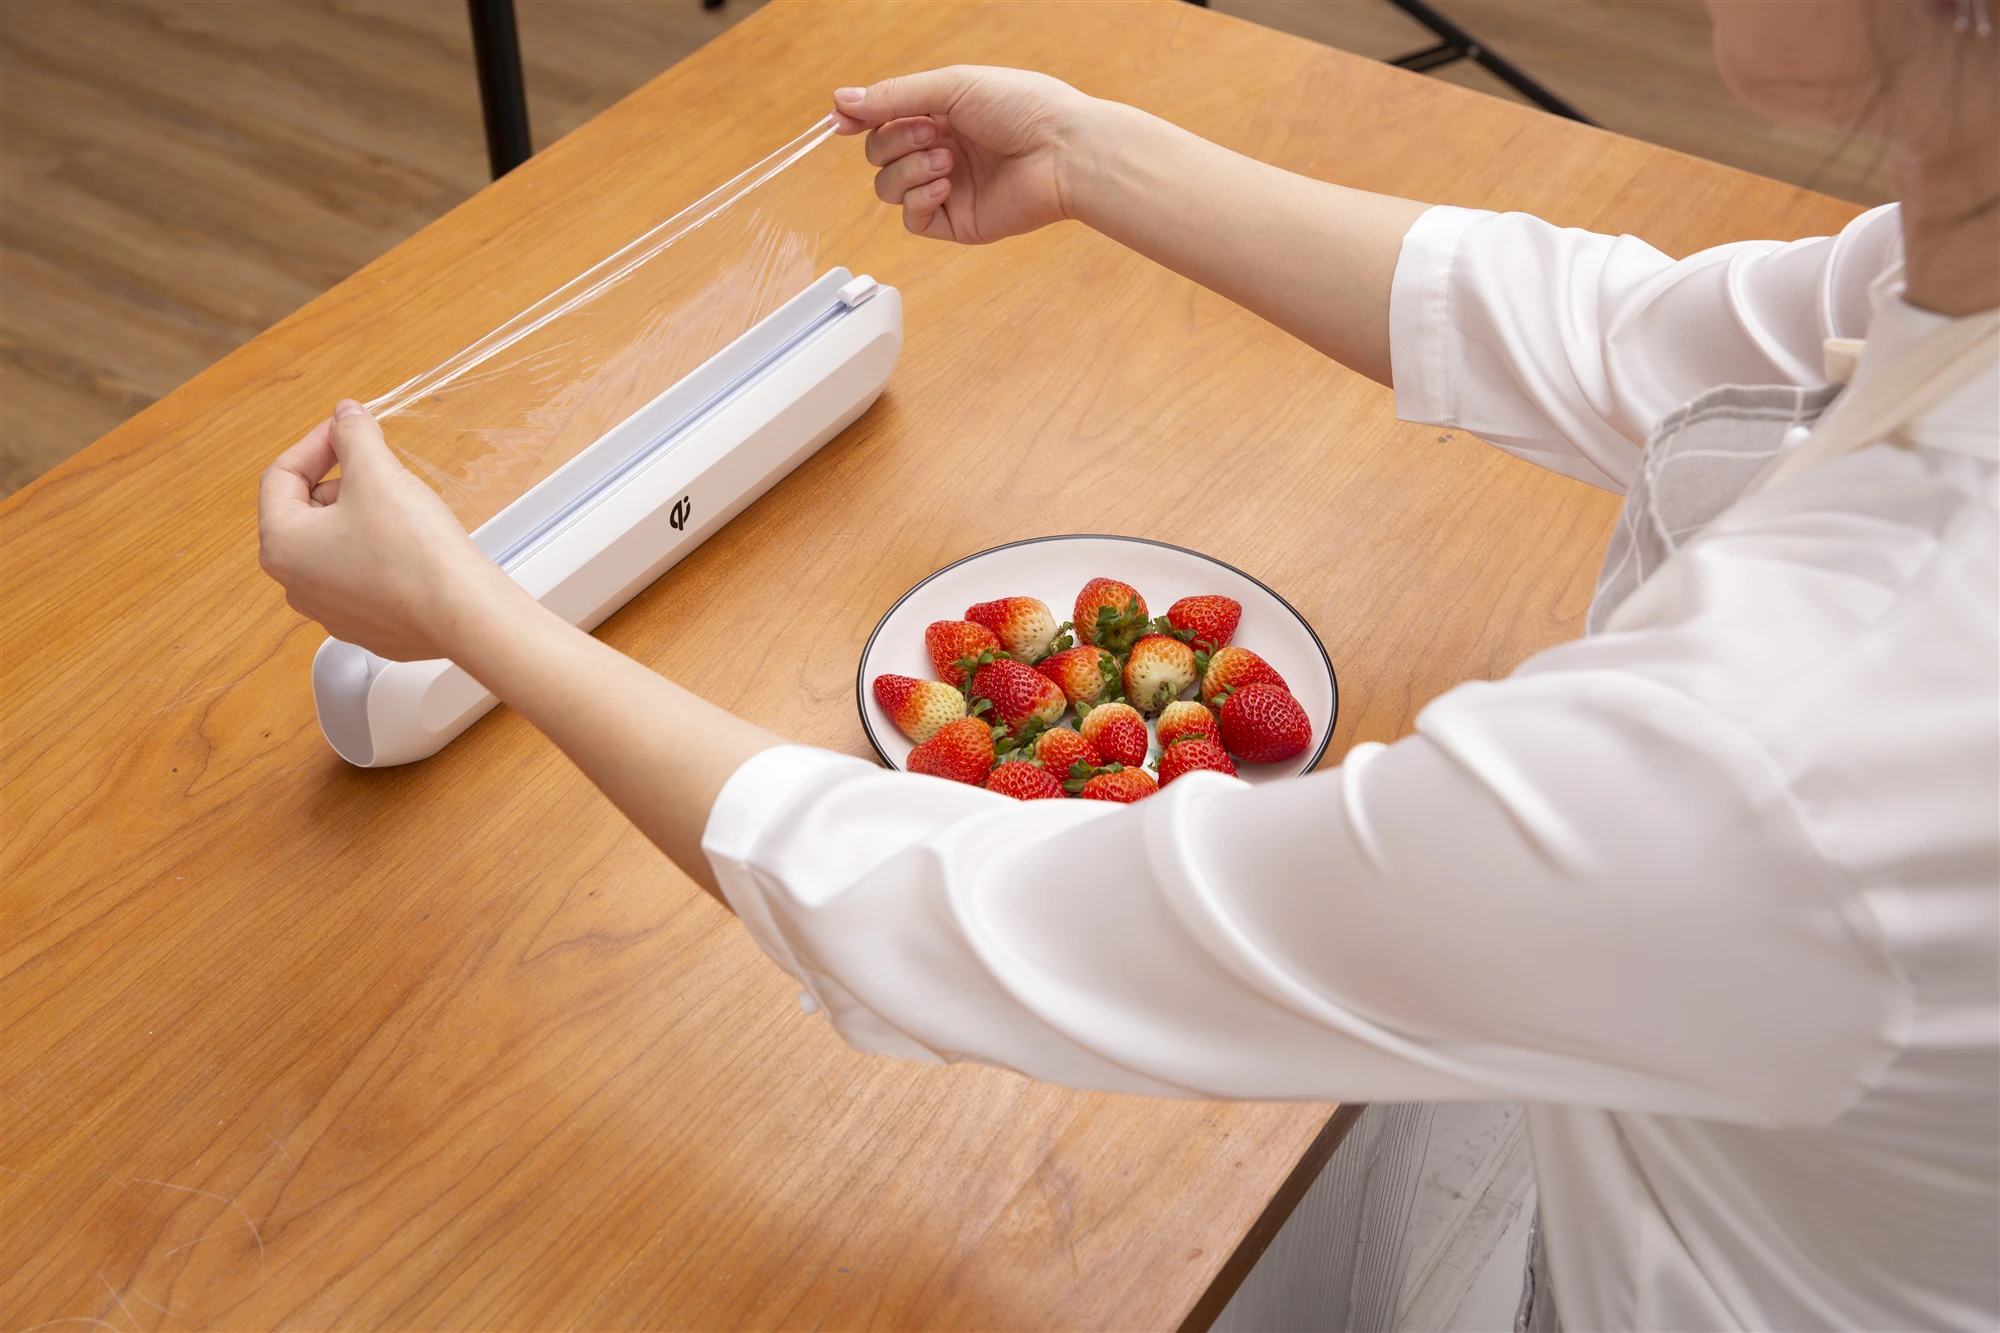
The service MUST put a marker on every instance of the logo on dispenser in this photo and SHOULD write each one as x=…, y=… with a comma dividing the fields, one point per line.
x=679, y=518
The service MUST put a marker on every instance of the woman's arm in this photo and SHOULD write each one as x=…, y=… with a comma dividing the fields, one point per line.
x=380, y=561
x=975, y=154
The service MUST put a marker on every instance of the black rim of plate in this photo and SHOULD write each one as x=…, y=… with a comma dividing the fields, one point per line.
x=861, y=667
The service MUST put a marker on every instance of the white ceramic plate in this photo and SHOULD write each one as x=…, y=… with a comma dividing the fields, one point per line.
x=1055, y=570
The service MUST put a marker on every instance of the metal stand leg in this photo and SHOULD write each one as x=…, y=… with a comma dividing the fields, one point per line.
x=503, y=98
x=1458, y=44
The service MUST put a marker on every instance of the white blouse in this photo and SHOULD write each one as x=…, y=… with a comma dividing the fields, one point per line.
x=1716, y=891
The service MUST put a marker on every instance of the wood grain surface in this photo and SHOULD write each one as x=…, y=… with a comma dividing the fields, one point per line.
x=289, y=1044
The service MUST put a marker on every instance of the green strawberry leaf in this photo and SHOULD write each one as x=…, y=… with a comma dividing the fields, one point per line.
x=1030, y=729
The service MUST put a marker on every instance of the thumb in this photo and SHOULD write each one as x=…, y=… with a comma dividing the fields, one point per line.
x=932, y=93
x=358, y=442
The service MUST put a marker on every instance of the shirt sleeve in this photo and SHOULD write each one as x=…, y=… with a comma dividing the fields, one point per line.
x=1565, y=347
x=1624, y=884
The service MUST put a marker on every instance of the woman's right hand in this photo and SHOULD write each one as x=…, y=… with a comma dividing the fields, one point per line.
x=972, y=153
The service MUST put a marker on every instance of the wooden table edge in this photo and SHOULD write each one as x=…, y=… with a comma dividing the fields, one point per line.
x=1229, y=1278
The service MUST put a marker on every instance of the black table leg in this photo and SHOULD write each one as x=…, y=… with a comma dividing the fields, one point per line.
x=503, y=97
x=1455, y=43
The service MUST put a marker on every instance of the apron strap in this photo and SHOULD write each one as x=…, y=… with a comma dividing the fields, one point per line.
x=1929, y=371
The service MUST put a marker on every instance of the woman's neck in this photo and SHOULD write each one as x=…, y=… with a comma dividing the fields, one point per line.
x=1951, y=228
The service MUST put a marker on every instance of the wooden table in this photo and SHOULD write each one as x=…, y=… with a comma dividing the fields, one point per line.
x=289, y=1044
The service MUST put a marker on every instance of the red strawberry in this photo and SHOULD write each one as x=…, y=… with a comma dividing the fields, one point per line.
x=1232, y=669
x=1206, y=622
x=1190, y=754
x=1184, y=718
x=1118, y=732
x=1159, y=668
x=1120, y=784
x=1019, y=695
x=1110, y=614
x=918, y=707
x=1085, y=673
x=1262, y=723
x=961, y=751
x=953, y=641
x=1024, y=625
x=1059, y=749
x=1024, y=782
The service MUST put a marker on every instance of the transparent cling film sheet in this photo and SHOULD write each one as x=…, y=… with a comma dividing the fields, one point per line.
x=500, y=416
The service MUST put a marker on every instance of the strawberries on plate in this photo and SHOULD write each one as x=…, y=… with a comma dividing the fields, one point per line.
x=1190, y=753
x=1111, y=706
x=1119, y=784
x=918, y=707
x=1262, y=724
x=1060, y=749
x=1017, y=695
x=1086, y=674
x=1160, y=668
x=1110, y=614
x=1184, y=718
x=1024, y=782
x=1024, y=625
x=1205, y=623
x=1118, y=732
x=962, y=751
x=951, y=643
x=1231, y=669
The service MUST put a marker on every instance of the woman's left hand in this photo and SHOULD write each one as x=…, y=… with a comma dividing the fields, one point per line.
x=380, y=561
x=373, y=555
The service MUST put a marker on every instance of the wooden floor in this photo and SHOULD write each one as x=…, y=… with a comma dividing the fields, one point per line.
x=176, y=175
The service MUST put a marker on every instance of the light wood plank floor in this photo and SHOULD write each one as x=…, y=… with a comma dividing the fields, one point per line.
x=176, y=175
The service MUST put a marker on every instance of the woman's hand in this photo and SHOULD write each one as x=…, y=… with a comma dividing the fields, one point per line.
x=380, y=561
x=971, y=153
x=373, y=554
x=974, y=154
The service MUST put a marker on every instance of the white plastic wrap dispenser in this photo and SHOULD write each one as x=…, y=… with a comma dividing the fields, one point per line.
x=593, y=533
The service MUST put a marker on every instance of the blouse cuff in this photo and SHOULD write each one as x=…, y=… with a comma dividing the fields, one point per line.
x=1423, y=336
x=750, y=803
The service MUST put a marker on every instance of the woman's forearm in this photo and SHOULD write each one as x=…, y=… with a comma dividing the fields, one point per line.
x=661, y=753
x=1315, y=259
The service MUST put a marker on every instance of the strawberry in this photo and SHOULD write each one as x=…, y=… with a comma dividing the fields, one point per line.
x=1190, y=753
x=1110, y=614
x=954, y=641
x=1059, y=749
x=1262, y=723
x=1119, y=784
x=918, y=707
x=1118, y=732
x=961, y=751
x=1019, y=695
x=1024, y=625
x=1206, y=622
x=1232, y=669
x=1024, y=782
x=1086, y=673
x=1184, y=718
x=1159, y=668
